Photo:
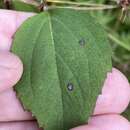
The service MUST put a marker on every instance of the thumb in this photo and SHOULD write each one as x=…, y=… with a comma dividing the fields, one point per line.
x=11, y=69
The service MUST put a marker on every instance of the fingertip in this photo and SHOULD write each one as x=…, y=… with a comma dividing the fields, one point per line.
x=115, y=95
x=11, y=69
x=110, y=122
x=106, y=122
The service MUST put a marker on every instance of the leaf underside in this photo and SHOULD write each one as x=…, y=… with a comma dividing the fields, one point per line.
x=66, y=57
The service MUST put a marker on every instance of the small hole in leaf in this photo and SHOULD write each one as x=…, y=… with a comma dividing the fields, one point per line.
x=82, y=42
x=70, y=86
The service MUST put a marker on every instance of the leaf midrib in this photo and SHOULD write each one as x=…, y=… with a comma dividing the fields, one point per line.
x=52, y=38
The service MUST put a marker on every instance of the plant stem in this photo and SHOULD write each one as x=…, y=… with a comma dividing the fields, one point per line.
x=117, y=41
x=82, y=8
x=77, y=3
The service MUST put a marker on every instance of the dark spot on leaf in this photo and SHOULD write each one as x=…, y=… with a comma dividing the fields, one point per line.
x=82, y=42
x=70, y=86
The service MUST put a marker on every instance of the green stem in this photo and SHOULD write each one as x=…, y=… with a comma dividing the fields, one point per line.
x=117, y=41
x=82, y=8
x=78, y=3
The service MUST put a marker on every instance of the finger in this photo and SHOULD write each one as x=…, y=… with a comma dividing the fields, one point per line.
x=30, y=125
x=115, y=95
x=106, y=122
x=9, y=22
x=110, y=122
x=11, y=109
x=11, y=69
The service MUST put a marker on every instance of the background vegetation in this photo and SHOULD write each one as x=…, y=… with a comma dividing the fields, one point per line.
x=119, y=36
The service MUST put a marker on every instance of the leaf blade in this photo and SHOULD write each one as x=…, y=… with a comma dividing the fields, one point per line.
x=65, y=51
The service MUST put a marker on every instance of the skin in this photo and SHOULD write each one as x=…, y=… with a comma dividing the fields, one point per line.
x=110, y=103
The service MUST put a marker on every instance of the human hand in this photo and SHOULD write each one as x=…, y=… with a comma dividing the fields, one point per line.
x=113, y=100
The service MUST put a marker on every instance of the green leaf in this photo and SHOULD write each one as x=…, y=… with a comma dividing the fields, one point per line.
x=66, y=56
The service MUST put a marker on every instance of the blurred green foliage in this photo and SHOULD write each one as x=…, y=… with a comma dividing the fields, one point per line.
x=17, y=5
x=21, y=6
